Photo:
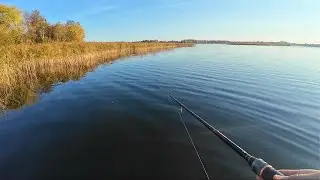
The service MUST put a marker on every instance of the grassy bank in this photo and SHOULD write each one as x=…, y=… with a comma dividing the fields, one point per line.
x=26, y=69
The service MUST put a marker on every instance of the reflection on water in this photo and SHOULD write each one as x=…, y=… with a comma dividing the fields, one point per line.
x=115, y=123
x=21, y=96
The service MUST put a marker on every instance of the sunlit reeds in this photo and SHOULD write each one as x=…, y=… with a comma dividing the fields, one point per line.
x=25, y=69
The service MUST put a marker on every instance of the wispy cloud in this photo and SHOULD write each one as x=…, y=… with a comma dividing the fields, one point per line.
x=94, y=10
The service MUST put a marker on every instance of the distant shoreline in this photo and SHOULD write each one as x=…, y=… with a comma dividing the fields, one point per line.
x=249, y=43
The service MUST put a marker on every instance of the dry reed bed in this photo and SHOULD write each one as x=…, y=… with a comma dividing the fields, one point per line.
x=25, y=69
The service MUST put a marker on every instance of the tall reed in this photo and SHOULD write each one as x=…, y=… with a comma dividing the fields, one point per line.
x=27, y=69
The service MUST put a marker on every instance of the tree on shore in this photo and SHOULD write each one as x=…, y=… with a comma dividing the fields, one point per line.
x=11, y=22
x=57, y=32
x=34, y=28
x=75, y=32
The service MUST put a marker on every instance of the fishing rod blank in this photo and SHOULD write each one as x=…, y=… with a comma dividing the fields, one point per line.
x=259, y=166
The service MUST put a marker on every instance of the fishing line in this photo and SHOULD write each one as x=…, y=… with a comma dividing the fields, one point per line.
x=259, y=166
x=179, y=111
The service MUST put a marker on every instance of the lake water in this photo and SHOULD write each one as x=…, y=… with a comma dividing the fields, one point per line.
x=115, y=123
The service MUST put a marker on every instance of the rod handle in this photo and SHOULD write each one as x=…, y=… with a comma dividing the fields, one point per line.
x=264, y=170
x=269, y=172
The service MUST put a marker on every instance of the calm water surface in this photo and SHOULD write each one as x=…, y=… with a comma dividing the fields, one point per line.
x=115, y=123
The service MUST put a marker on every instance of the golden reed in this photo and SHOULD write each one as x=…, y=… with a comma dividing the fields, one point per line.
x=25, y=69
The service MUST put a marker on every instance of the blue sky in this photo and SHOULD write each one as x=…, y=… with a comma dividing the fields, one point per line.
x=128, y=20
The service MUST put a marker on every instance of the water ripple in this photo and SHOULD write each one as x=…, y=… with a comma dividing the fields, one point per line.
x=267, y=99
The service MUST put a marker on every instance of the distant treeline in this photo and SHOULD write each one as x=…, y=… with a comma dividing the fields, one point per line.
x=17, y=26
x=254, y=43
x=158, y=41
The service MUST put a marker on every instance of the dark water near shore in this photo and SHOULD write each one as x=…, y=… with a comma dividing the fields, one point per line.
x=115, y=123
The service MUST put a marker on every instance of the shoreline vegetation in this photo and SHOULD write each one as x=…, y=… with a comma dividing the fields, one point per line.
x=35, y=54
x=28, y=70
x=249, y=43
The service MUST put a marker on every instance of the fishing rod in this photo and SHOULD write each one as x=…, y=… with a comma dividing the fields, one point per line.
x=259, y=166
